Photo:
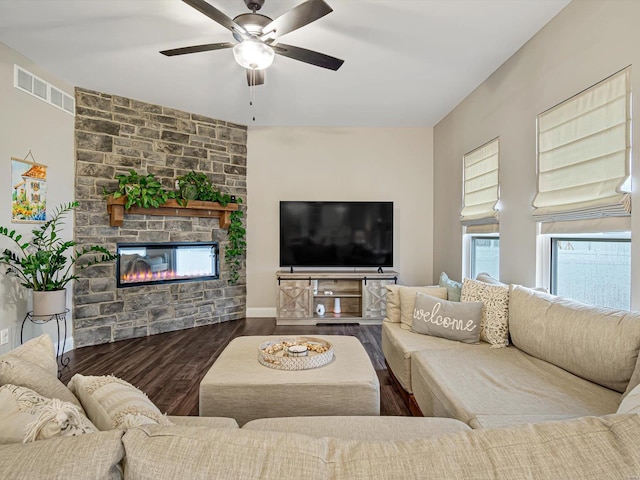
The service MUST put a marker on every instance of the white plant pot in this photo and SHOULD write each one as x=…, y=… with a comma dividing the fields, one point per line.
x=46, y=304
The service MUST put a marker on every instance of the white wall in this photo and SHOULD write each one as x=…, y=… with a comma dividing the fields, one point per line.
x=583, y=44
x=28, y=123
x=386, y=164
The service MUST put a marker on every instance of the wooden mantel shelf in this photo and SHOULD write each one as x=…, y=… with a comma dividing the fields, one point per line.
x=194, y=208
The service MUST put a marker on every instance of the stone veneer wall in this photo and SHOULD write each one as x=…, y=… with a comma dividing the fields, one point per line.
x=112, y=135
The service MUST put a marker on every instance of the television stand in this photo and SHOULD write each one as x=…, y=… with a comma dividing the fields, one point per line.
x=361, y=297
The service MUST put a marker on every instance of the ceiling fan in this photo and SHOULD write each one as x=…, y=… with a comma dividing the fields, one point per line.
x=258, y=36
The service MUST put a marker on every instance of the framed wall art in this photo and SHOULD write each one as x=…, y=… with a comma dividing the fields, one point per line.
x=28, y=190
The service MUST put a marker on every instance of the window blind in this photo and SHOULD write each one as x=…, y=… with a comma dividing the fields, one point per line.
x=584, y=158
x=481, y=189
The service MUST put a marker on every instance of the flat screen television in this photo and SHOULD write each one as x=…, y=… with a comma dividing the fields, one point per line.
x=336, y=234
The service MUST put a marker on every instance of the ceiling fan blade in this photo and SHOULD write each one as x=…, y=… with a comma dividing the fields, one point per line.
x=308, y=56
x=216, y=15
x=255, y=77
x=197, y=48
x=297, y=17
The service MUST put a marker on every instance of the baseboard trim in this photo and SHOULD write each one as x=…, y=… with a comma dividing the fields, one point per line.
x=261, y=312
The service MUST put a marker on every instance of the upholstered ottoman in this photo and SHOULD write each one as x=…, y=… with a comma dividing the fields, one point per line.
x=238, y=386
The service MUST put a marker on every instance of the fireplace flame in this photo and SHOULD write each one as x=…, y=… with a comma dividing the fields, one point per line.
x=160, y=276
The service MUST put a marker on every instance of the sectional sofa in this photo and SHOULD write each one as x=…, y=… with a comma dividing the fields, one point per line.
x=126, y=437
x=565, y=360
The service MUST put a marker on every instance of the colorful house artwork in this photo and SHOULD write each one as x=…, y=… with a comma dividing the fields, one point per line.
x=29, y=196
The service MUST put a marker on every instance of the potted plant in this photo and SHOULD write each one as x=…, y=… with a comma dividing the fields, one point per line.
x=46, y=263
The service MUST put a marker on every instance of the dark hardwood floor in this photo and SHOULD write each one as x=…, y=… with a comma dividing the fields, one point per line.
x=168, y=367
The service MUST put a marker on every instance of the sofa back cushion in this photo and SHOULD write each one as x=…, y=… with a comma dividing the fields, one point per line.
x=598, y=344
x=401, y=300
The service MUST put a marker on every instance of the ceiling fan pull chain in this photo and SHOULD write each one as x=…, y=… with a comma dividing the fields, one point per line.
x=252, y=93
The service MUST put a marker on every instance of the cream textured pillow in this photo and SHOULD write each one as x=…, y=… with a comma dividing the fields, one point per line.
x=112, y=403
x=38, y=351
x=408, y=301
x=494, y=327
x=26, y=416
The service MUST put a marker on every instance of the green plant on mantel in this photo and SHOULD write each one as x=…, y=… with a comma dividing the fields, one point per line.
x=42, y=263
x=237, y=245
x=198, y=186
x=141, y=190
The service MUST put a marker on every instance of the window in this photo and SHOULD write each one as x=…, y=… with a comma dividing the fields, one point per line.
x=592, y=270
x=485, y=256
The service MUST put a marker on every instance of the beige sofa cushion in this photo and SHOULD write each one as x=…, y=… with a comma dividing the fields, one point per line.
x=155, y=451
x=480, y=381
x=587, y=448
x=88, y=457
x=595, y=343
x=17, y=370
x=112, y=403
x=207, y=422
x=361, y=428
x=399, y=344
x=39, y=351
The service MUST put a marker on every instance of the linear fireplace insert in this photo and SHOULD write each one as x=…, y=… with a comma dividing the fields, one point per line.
x=157, y=263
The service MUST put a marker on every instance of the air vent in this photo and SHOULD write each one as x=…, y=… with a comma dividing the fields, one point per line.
x=28, y=82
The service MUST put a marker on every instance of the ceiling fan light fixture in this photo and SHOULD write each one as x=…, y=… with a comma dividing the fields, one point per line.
x=253, y=54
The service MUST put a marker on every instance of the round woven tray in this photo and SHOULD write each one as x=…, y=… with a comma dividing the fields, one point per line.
x=274, y=354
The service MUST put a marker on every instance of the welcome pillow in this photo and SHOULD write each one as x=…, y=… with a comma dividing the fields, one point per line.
x=453, y=320
x=408, y=301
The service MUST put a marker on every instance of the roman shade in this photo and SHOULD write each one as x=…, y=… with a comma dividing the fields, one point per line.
x=481, y=190
x=584, y=152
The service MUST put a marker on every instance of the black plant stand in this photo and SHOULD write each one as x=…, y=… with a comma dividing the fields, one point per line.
x=59, y=318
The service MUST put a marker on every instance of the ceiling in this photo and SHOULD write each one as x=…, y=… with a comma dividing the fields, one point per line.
x=407, y=62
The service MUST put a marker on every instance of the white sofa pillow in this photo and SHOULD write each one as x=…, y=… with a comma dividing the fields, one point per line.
x=494, y=328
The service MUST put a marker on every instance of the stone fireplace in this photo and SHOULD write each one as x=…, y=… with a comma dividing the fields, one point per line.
x=113, y=135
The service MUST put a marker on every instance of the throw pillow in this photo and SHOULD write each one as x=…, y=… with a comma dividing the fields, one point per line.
x=458, y=321
x=16, y=370
x=39, y=351
x=112, y=403
x=453, y=287
x=408, y=301
x=26, y=416
x=494, y=327
x=630, y=402
x=393, y=304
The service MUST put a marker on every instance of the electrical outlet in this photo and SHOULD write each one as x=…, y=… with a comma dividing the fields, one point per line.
x=4, y=336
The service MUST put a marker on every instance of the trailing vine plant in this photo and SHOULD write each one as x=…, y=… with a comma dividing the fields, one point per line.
x=237, y=245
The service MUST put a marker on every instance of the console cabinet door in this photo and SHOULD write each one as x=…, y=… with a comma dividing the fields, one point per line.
x=374, y=298
x=294, y=299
